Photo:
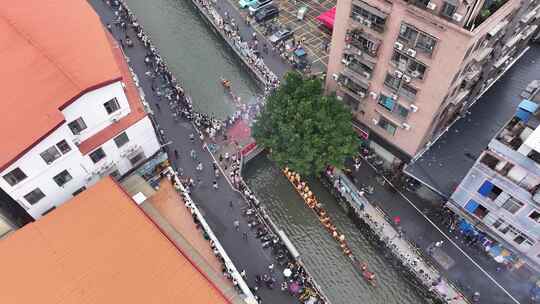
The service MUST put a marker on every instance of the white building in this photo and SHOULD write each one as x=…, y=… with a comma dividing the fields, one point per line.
x=72, y=111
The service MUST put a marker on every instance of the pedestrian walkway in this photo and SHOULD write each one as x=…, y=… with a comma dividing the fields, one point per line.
x=469, y=276
x=214, y=204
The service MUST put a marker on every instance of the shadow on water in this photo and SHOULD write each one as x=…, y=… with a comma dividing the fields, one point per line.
x=321, y=254
x=194, y=54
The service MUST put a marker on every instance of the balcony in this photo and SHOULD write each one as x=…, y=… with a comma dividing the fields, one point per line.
x=363, y=42
x=489, y=8
x=369, y=16
x=353, y=85
x=359, y=66
x=406, y=63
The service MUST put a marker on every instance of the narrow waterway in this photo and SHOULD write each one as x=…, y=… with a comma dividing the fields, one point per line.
x=339, y=279
x=194, y=54
x=198, y=59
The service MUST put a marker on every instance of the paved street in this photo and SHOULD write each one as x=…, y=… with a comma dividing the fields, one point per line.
x=248, y=255
x=419, y=230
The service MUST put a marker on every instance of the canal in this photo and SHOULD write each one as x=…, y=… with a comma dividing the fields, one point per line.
x=198, y=59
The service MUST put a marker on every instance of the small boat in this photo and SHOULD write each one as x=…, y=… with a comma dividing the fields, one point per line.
x=366, y=274
x=226, y=83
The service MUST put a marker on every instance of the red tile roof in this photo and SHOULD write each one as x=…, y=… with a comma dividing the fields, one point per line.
x=53, y=52
x=99, y=248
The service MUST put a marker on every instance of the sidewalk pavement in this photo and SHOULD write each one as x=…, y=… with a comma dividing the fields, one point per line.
x=246, y=254
x=418, y=230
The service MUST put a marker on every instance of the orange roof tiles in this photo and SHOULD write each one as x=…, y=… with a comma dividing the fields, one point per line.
x=98, y=248
x=53, y=51
x=137, y=111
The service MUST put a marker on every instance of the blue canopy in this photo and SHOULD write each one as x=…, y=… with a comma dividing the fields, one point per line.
x=523, y=115
x=528, y=106
x=471, y=206
x=299, y=52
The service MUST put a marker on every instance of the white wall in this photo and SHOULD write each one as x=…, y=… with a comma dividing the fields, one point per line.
x=81, y=168
x=90, y=108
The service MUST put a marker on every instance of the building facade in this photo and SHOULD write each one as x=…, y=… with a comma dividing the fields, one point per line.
x=83, y=119
x=501, y=192
x=409, y=68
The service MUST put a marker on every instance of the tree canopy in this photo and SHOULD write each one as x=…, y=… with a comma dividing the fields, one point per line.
x=304, y=129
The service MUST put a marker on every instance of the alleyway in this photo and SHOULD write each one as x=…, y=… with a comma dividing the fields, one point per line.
x=248, y=255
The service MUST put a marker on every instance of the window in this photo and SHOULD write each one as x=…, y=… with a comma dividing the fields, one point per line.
x=63, y=146
x=62, y=178
x=14, y=176
x=360, y=13
x=111, y=106
x=50, y=154
x=392, y=82
x=477, y=209
x=115, y=174
x=34, y=196
x=489, y=190
x=512, y=205
x=534, y=156
x=535, y=216
x=137, y=158
x=366, y=43
x=426, y=43
x=97, y=155
x=448, y=10
x=79, y=191
x=408, y=91
x=407, y=33
x=402, y=111
x=498, y=223
x=77, y=126
x=386, y=125
x=416, y=69
x=490, y=161
x=405, y=63
x=121, y=139
x=387, y=102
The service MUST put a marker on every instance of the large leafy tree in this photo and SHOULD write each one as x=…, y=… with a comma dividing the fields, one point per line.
x=304, y=129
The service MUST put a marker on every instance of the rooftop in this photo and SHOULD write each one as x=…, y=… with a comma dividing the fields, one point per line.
x=448, y=160
x=99, y=248
x=51, y=56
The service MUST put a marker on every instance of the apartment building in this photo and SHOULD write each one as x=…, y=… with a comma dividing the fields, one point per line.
x=72, y=112
x=501, y=192
x=408, y=68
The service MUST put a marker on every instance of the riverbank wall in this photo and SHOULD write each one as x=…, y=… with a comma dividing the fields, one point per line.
x=377, y=227
x=236, y=49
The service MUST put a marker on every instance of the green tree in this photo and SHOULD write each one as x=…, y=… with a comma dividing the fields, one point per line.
x=304, y=129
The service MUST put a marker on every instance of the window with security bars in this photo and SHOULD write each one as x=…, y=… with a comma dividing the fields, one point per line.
x=97, y=155
x=112, y=106
x=62, y=178
x=389, y=127
x=34, y=196
x=14, y=176
x=77, y=126
x=121, y=140
x=50, y=155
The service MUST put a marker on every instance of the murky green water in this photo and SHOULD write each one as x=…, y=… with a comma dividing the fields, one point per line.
x=198, y=59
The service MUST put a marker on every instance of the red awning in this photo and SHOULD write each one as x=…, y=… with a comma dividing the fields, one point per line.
x=327, y=18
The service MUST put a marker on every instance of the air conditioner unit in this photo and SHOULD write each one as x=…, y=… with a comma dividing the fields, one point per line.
x=394, y=96
x=373, y=95
x=406, y=126
x=415, y=74
x=348, y=45
x=335, y=76
x=398, y=74
x=398, y=45
x=375, y=121
x=367, y=75
x=361, y=94
x=414, y=108
x=411, y=52
x=406, y=78
x=457, y=17
x=367, y=23
x=359, y=53
x=339, y=97
x=344, y=61
x=432, y=6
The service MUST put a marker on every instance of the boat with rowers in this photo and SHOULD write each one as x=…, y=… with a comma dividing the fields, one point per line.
x=225, y=83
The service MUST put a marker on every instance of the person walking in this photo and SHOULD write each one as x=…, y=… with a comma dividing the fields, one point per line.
x=158, y=107
x=226, y=157
x=245, y=236
x=199, y=167
x=271, y=268
x=192, y=137
x=236, y=224
x=215, y=185
x=231, y=204
x=193, y=154
x=176, y=154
